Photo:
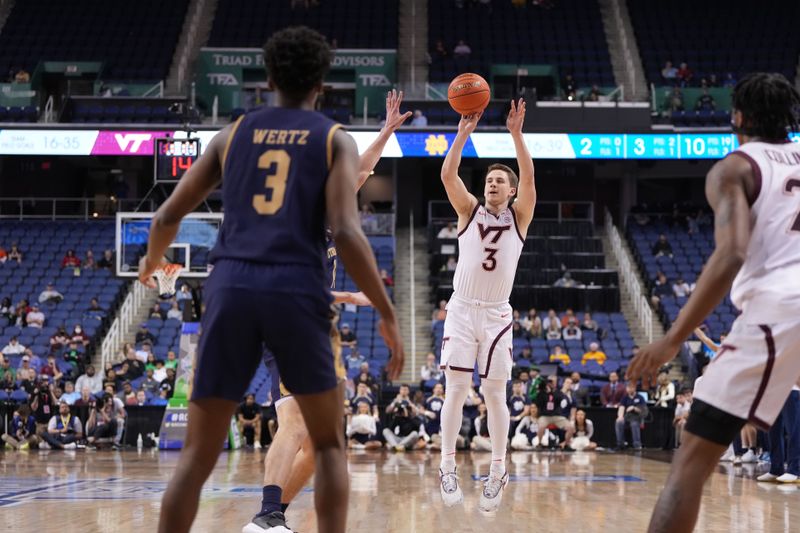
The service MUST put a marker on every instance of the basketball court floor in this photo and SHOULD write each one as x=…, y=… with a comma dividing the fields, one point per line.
x=119, y=492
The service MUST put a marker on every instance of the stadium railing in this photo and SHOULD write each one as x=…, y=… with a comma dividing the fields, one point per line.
x=75, y=208
x=114, y=337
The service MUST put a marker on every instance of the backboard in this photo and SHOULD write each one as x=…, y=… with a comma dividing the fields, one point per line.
x=196, y=236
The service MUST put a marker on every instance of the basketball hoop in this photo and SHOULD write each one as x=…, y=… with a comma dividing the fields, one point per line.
x=166, y=277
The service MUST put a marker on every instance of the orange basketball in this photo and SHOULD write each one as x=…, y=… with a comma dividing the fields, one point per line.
x=468, y=93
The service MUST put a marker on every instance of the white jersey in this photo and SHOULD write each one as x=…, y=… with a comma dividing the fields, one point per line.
x=488, y=253
x=767, y=288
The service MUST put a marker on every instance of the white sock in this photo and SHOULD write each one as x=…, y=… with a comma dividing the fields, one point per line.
x=456, y=390
x=494, y=394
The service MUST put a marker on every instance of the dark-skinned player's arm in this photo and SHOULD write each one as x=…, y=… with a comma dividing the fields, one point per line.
x=394, y=120
x=727, y=186
x=199, y=181
x=526, y=192
x=352, y=245
x=460, y=198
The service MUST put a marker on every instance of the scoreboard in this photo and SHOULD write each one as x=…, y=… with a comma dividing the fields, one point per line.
x=653, y=145
x=173, y=157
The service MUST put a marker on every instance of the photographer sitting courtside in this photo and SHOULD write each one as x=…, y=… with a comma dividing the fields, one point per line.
x=64, y=429
x=401, y=433
x=248, y=419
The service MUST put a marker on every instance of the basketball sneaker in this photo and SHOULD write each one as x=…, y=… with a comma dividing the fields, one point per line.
x=728, y=456
x=787, y=478
x=767, y=477
x=451, y=491
x=273, y=522
x=749, y=457
x=492, y=493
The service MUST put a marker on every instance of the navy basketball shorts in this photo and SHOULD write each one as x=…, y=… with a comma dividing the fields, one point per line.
x=240, y=322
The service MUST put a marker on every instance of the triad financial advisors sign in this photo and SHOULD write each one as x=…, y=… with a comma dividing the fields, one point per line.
x=223, y=72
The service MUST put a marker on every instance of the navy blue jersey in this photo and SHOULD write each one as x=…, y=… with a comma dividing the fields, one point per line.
x=433, y=425
x=274, y=173
x=516, y=404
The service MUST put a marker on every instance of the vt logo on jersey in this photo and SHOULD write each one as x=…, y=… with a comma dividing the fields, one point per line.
x=490, y=263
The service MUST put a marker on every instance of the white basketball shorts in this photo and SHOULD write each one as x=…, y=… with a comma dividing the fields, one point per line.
x=754, y=371
x=477, y=332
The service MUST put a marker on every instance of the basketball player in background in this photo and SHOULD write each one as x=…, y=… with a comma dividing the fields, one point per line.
x=289, y=463
x=755, y=194
x=286, y=171
x=478, y=323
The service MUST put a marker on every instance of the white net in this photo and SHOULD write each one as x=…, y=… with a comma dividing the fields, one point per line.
x=166, y=278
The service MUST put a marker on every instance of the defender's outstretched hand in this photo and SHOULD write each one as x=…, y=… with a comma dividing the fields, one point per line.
x=516, y=117
x=650, y=359
x=393, y=117
x=146, y=270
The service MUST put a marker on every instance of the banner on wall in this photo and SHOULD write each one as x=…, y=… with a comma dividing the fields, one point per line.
x=221, y=73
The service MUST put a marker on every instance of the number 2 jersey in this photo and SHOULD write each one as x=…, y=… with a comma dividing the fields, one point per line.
x=275, y=170
x=488, y=252
x=767, y=288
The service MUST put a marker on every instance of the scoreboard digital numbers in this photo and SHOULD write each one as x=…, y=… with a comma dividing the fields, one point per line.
x=652, y=145
x=173, y=157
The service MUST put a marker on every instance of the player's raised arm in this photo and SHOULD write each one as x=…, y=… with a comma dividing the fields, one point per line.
x=526, y=192
x=706, y=340
x=460, y=198
x=726, y=189
x=352, y=245
x=194, y=187
x=394, y=120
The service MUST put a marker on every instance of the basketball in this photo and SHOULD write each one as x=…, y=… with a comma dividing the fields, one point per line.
x=468, y=94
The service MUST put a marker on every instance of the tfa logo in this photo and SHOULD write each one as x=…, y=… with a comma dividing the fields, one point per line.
x=374, y=80
x=222, y=78
x=131, y=142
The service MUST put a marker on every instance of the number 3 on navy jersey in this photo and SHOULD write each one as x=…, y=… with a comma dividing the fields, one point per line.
x=276, y=163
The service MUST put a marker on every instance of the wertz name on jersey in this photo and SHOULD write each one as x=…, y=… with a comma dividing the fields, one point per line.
x=279, y=136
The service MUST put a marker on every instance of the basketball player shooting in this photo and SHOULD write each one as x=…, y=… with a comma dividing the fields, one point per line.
x=755, y=195
x=289, y=463
x=478, y=324
x=286, y=171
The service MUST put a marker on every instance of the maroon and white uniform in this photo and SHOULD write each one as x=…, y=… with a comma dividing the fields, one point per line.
x=478, y=323
x=758, y=364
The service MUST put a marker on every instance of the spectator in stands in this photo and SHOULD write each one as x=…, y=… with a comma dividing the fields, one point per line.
x=431, y=369
x=160, y=372
x=451, y=264
x=169, y=382
x=347, y=336
x=142, y=354
x=7, y=311
x=518, y=407
x=13, y=347
x=157, y=312
x=388, y=280
x=440, y=313
x=612, y=392
x=94, y=310
x=50, y=295
x=248, y=418
x=572, y=331
x=86, y=398
x=584, y=429
x=64, y=429
x=665, y=392
x=184, y=296
x=565, y=281
x=448, y=232
x=110, y=379
x=21, y=313
x=22, y=76
x=107, y=261
x=59, y=339
x=79, y=336
x=364, y=395
x=662, y=247
x=43, y=401
x=8, y=375
x=102, y=422
x=661, y=289
x=15, y=254
x=70, y=260
x=362, y=429
x=550, y=318
x=135, y=367
x=172, y=361
x=681, y=289
x=480, y=431
x=713, y=81
x=685, y=75
x=145, y=335
x=526, y=354
x=149, y=384
x=50, y=369
x=433, y=414
x=419, y=119
x=705, y=102
x=568, y=317
x=462, y=50
x=682, y=409
x=22, y=431
x=580, y=393
x=569, y=87
x=24, y=367
x=127, y=394
x=594, y=354
x=174, y=312
x=355, y=359
x=631, y=411
x=669, y=73
x=594, y=94
x=517, y=331
x=589, y=324
x=91, y=380
x=675, y=100
x=553, y=331
x=551, y=403
x=365, y=377
x=75, y=358
x=88, y=261
x=35, y=317
x=559, y=356
x=525, y=436
x=730, y=81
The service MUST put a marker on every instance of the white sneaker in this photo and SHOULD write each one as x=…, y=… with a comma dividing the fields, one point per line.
x=70, y=446
x=767, y=477
x=749, y=457
x=737, y=460
x=492, y=493
x=728, y=456
x=257, y=445
x=44, y=446
x=787, y=478
x=451, y=491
